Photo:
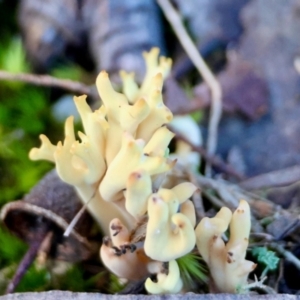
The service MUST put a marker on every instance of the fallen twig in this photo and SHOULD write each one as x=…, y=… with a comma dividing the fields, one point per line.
x=289, y=256
x=211, y=159
x=265, y=236
x=197, y=197
x=216, y=92
x=27, y=260
x=230, y=194
x=50, y=81
x=227, y=197
x=272, y=179
x=213, y=199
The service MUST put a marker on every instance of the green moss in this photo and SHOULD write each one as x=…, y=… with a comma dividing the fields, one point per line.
x=12, y=249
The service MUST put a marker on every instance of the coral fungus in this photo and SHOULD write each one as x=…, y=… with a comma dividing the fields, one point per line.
x=118, y=167
x=124, y=136
x=227, y=264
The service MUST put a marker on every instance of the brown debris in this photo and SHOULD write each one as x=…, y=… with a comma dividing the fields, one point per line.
x=244, y=90
x=55, y=202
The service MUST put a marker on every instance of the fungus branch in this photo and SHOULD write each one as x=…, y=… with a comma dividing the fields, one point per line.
x=227, y=264
x=121, y=257
x=170, y=234
x=121, y=138
x=167, y=280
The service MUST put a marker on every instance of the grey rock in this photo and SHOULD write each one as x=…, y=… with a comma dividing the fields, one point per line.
x=270, y=44
x=53, y=295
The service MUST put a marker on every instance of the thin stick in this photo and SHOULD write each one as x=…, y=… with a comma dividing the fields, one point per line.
x=289, y=256
x=27, y=260
x=78, y=216
x=197, y=198
x=212, y=160
x=75, y=220
x=213, y=199
x=46, y=80
x=278, y=178
x=216, y=92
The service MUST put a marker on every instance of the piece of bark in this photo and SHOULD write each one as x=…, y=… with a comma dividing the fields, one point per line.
x=119, y=31
x=55, y=203
x=112, y=33
x=48, y=29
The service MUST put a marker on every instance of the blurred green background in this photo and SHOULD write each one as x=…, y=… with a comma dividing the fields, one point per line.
x=26, y=112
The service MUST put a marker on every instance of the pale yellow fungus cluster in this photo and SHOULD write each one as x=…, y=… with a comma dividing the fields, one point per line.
x=228, y=267
x=125, y=135
x=168, y=222
x=118, y=167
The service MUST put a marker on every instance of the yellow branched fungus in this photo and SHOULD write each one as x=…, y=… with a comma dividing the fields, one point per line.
x=227, y=264
x=117, y=167
x=123, y=136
